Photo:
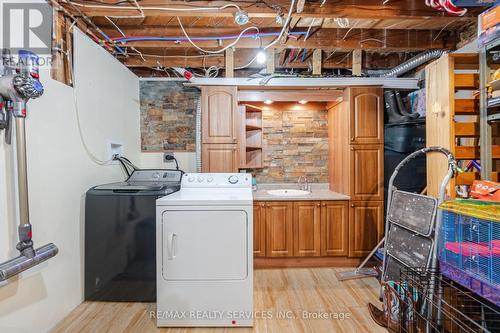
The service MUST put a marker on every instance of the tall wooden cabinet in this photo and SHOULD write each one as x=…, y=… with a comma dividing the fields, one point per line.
x=356, y=163
x=220, y=129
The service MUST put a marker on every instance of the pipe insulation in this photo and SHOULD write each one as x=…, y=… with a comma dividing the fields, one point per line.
x=410, y=64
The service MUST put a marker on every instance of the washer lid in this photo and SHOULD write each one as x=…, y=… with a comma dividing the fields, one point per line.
x=208, y=196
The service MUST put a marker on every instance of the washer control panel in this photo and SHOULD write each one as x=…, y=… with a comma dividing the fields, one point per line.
x=155, y=176
x=217, y=180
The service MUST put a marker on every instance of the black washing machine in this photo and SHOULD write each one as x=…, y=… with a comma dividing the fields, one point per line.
x=120, y=236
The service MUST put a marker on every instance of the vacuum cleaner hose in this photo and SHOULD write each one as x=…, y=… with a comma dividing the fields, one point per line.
x=17, y=265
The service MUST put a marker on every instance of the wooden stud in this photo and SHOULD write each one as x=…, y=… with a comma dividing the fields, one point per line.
x=356, y=62
x=317, y=55
x=270, y=65
x=229, y=60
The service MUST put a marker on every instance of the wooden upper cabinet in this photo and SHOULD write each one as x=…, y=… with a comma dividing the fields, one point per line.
x=279, y=229
x=219, y=115
x=219, y=158
x=366, y=224
x=334, y=228
x=307, y=228
x=259, y=229
x=367, y=172
x=367, y=115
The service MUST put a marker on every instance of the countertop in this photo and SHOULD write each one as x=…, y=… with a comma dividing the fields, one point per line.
x=318, y=192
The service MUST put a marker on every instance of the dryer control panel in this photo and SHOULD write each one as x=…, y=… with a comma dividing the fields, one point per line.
x=217, y=180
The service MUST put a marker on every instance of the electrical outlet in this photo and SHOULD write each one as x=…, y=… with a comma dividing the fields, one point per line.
x=115, y=148
x=168, y=157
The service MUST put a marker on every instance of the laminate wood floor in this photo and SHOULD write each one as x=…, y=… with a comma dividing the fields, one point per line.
x=298, y=295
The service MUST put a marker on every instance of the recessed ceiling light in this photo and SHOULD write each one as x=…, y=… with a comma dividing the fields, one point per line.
x=261, y=57
x=303, y=101
x=268, y=101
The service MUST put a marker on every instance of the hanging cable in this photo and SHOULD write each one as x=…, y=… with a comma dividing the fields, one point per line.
x=218, y=51
x=287, y=22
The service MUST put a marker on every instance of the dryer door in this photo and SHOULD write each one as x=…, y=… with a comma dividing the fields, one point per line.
x=204, y=245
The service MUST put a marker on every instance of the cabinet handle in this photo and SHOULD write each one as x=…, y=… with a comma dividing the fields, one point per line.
x=352, y=139
x=318, y=205
x=352, y=205
x=324, y=205
x=234, y=139
x=262, y=205
x=352, y=148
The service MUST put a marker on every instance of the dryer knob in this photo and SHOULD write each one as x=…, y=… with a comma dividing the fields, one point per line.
x=191, y=179
x=200, y=179
x=210, y=179
x=233, y=179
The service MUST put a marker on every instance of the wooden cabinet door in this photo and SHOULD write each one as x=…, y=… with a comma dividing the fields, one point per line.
x=334, y=228
x=219, y=158
x=306, y=228
x=279, y=229
x=366, y=227
x=367, y=115
x=259, y=229
x=219, y=115
x=367, y=172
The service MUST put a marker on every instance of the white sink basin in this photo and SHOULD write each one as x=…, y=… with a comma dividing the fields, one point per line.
x=288, y=193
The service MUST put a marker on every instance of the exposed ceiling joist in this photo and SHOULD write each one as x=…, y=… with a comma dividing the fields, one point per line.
x=409, y=9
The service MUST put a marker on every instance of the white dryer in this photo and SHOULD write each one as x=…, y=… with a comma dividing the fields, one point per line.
x=205, y=252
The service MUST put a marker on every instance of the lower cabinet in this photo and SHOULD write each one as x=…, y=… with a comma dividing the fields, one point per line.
x=301, y=229
x=306, y=229
x=334, y=228
x=259, y=229
x=279, y=229
x=366, y=226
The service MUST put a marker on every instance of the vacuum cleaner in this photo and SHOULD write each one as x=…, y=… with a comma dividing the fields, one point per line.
x=19, y=83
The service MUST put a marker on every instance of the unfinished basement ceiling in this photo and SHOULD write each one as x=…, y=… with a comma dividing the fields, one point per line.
x=387, y=33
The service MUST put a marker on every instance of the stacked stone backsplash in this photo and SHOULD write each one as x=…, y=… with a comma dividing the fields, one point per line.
x=295, y=143
x=168, y=116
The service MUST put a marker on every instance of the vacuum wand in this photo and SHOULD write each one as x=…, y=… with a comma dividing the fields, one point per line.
x=17, y=87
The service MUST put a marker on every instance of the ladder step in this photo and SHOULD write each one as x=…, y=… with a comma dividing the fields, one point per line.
x=467, y=106
x=467, y=129
x=466, y=178
x=472, y=153
x=467, y=81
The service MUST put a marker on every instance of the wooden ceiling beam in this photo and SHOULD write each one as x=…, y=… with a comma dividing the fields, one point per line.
x=409, y=9
x=365, y=39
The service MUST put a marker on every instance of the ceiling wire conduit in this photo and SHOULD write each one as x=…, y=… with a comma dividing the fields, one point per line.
x=408, y=65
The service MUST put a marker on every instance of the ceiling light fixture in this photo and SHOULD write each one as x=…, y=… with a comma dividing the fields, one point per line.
x=303, y=101
x=261, y=57
x=268, y=101
x=241, y=17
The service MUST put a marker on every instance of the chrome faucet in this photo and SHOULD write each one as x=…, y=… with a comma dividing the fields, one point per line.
x=306, y=186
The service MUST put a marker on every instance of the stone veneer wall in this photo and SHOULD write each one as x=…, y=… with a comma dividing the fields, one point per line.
x=168, y=116
x=295, y=143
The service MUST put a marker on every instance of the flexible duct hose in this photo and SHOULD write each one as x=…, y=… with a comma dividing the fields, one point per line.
x=408, y=65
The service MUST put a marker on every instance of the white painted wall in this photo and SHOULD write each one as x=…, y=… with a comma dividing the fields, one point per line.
x=60, y=172
x=187, y=161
